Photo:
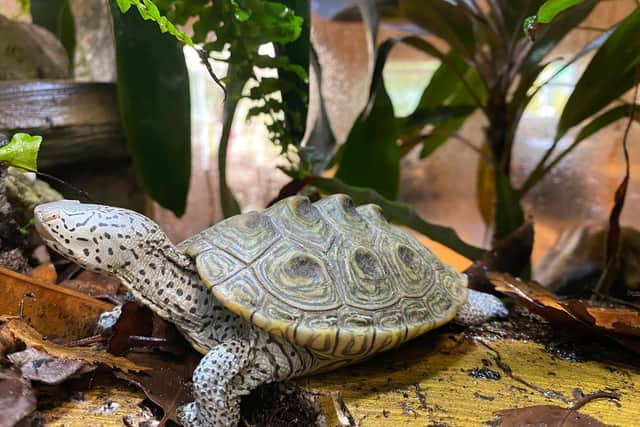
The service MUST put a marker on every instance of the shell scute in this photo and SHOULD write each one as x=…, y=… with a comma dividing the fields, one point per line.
x=338, y=280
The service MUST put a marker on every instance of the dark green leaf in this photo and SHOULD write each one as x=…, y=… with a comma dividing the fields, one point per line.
x=551, y=8
x=153, y=90
x=445, y=20
x=604, y=120
x=55, y=16
x=444, y=82
x=443, y=113
x=370, y=156
x=610, y=74
x=508, y=212
x=402, y=214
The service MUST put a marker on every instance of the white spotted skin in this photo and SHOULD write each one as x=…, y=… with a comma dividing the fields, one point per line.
x=129, y=246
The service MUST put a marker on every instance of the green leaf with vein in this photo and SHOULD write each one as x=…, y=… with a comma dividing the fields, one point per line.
x=611, y=73
x=400, y=213
x=149, y=11
x=21, y=151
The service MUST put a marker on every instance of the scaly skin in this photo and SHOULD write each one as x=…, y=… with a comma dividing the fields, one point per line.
x=238, y=355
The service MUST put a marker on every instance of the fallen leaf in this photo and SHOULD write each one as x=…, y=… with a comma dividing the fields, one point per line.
x=134, y=320
x=37, y=365
x=17, y=399
x=582, y=316
x=51, y=309
x=545, y=415
x=510, y=255
x=25, y=333
x=92, y=284
x=167, y=382
x=45, y=273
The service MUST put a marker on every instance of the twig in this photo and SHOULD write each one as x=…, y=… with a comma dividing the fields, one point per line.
x=204, y=58
x=94, y=339
x=586, y=399
x=612, y=255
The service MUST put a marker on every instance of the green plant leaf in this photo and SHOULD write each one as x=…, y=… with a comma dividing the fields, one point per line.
x=445, y=20
x=296, y=98
x=610, y=74
x=402, y=214
x=149, y=11
x=419, y=119
x=21, y=151
x=551, y=8
x=153, y=91
x=370, y=156
x=55, y=16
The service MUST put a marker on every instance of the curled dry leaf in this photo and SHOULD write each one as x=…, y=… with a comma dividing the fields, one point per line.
x=25, y=333
x=17, y=399
x=620, y=323
x=37, y=365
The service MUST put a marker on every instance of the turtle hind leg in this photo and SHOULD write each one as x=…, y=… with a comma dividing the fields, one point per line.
x=479, y=308
x=218, y=384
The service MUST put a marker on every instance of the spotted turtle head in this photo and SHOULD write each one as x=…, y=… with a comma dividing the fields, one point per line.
x=100, y=238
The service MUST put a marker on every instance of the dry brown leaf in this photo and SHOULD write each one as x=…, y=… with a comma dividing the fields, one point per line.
x=17, y=399
x=92, y=284
x=25, y=333
x=52, y=310
x=45, y=273
x=545, y=415
x=167, y=381
x=37, y=365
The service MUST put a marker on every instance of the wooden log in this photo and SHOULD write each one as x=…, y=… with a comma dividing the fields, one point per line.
x=78, y=121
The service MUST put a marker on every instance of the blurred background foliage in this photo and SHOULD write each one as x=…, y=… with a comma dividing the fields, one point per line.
x=494, y=61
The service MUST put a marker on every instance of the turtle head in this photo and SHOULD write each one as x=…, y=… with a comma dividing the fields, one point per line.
x=100, y=238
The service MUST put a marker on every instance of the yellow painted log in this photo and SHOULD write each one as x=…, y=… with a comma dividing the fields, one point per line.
x=428, y=382
x=104, y=406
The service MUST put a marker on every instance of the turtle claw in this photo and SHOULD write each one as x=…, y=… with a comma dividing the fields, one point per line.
x=188, y=415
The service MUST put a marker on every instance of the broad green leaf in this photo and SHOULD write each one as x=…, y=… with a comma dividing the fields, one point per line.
x=442, y=113
x=370, y=156
x=402, y=214
x=551, y=8
x=611, y=72
x=55, y=16
x=444, y=82
x=445, y=20
x=153, y=91
x=442, y=131
x=21, y=151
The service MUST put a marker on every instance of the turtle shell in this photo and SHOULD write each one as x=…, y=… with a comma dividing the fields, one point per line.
x=338, y=280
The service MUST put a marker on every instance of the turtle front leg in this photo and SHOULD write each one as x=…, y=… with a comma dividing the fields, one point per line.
x=229, y=371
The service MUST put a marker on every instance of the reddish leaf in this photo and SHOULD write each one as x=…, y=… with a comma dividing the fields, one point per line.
x=135, y=320
x=39, y=366
x=545, y=415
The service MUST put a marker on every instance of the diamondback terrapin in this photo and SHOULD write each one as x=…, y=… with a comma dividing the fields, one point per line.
x=297, y=289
